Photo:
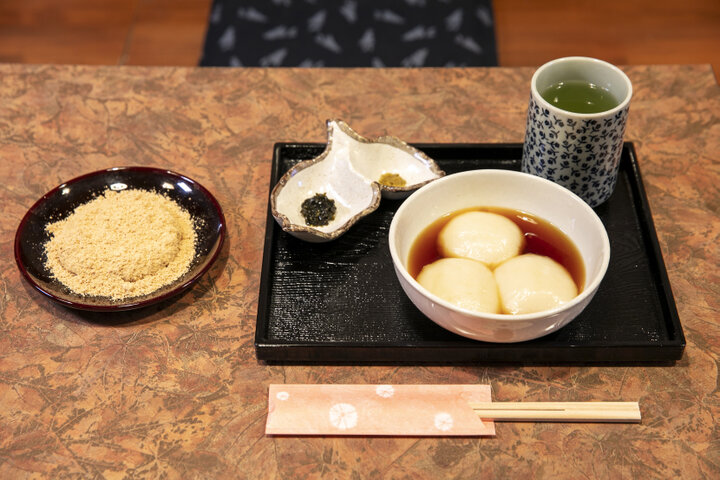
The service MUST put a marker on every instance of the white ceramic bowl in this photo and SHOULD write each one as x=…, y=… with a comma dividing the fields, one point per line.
x=510, y=189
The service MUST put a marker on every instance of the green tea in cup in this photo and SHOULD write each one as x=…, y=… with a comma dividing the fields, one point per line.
x=579, y=96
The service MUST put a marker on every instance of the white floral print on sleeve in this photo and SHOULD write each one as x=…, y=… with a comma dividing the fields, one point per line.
x=343, y=416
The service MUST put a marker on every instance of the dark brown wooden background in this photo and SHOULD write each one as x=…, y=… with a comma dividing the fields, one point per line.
x=171, y=32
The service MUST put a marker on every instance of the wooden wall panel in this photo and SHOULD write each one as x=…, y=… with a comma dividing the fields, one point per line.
x=625, y=32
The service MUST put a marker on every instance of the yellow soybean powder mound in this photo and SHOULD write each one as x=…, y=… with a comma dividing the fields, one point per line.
x=121, y=244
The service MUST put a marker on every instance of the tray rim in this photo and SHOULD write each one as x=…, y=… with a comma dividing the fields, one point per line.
x=299, y=352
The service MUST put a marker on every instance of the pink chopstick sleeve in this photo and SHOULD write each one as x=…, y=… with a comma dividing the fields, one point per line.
x=402, y=410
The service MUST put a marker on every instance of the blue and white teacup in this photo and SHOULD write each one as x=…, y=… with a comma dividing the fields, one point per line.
x=580, y=151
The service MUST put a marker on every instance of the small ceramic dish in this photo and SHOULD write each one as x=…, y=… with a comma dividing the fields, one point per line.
x=62, y=200
x=354, y=173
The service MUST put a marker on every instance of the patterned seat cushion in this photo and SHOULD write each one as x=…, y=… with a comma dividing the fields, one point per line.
x=350, y=33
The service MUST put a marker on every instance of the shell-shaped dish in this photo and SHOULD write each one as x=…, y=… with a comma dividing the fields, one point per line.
x=331, y=173
x=349, y=172
x=387, y=156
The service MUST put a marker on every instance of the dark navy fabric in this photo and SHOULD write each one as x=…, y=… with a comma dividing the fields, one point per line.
x=350, y=33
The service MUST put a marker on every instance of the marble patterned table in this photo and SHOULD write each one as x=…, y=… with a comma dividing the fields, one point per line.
x=175, y=391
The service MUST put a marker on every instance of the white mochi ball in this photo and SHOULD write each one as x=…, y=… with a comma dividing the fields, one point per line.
x=463, y=282
x=486, y=237
x=532, y=283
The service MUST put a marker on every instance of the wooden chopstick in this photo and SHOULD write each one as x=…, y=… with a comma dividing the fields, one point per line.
x=619, y=412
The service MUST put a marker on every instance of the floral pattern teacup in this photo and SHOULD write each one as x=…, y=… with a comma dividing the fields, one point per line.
x=580, y=151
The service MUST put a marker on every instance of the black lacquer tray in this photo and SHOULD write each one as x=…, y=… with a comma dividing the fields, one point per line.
x=340, y=302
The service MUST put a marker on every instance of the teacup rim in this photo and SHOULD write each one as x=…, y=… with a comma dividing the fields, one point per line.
x=545, y=104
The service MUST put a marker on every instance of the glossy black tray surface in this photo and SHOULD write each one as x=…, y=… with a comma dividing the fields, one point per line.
x=340, y=302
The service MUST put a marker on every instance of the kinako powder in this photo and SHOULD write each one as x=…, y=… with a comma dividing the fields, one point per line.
x=121, y=244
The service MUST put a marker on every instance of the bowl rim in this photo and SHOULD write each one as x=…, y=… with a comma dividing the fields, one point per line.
x=588, y=291
x=145, y=300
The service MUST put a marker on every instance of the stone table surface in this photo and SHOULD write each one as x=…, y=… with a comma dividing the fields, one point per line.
x=175, y=390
